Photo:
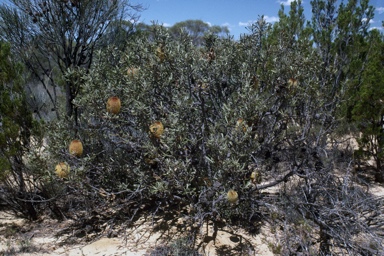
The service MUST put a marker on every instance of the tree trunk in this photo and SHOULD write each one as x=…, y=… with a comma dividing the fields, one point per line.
x=69, y=97
x=324, y=242
x=71, y=109
x=26, y=207
x=379, y=175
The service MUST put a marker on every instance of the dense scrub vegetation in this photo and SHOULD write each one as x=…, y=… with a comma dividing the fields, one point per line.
x=238, y=132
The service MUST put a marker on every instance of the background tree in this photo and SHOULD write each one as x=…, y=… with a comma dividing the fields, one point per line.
x=338, y=35
x=368, y=108
x=196, y=29
x=17, y=129
x=337, y=31
x=120, y=33
x=52, y=37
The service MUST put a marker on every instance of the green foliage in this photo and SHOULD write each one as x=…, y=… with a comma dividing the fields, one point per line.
x=368, y=108
x=17, y=129
x=265, y=104
x=338, y=33
x=16, y=120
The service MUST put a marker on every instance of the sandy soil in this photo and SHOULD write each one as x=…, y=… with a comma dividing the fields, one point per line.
x=49, y=237
x=18, y=237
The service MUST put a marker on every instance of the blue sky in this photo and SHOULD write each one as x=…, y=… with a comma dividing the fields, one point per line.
x=235, y=14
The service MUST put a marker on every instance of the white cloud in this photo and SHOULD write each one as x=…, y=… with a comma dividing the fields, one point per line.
x=378, y=28
x=167, y=25
x=271, y=19
x=244, y=24
x=370, y=21
x=285, y=2
x=209, y=23
x=380, y=10
x=267, y=18
x=228, y=25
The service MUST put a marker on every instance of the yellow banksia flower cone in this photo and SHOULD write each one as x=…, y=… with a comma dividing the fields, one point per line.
x=113, y=105
x=62, y=170
x=132, y=72
x=76, y=148
x=232, y=196
x=211, y=55
x=256, y=177
x=240, y=124
x=156, y=129
x=160, y=53
x=292, y=83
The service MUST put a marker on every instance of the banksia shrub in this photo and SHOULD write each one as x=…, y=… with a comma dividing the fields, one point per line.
x=113, y=105
x=76, y=148
x=207, y=147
